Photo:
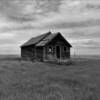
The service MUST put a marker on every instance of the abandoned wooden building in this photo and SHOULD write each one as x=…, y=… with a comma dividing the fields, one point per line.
x=48, y=46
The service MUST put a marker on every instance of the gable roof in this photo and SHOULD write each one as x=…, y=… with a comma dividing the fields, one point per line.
x=42, y=40
x=35, y=40
x=46, y=39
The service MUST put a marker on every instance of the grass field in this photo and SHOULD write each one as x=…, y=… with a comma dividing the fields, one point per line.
x=20, y=80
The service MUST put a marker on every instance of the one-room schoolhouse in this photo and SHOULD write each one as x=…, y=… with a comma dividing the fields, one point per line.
x=46, y=47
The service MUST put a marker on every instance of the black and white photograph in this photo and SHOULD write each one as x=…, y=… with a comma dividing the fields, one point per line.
x=49, y=49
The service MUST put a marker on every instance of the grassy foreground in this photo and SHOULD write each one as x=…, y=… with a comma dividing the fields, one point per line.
x=20, y=80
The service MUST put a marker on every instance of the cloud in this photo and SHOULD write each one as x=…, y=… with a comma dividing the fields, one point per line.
x=18, y=10
x=78, y=20
x=87, y=42
x=7, y=36
x=82, y=33
x=64, y=25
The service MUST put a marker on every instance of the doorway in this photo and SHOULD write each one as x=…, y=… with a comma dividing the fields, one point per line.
x=58, y=52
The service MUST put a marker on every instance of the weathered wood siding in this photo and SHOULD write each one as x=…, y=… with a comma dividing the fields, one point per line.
x=50, y=55
x=39, y=53
x=28, y=53
x=57, y=42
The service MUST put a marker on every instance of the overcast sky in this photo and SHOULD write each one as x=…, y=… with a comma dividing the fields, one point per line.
x=77, y=20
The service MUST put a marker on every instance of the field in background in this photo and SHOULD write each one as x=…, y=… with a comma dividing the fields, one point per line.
x=18, y=78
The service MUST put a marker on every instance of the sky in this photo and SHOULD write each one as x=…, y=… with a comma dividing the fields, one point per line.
x=77, y=20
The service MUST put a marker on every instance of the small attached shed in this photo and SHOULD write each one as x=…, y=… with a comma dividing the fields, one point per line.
x=48, y=46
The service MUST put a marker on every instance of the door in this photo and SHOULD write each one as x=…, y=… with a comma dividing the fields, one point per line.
x=58, y=52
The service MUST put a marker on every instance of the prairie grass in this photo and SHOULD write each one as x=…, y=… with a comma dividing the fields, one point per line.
x=25, y=80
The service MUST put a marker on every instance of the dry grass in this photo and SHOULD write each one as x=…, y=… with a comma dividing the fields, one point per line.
x=20, y=80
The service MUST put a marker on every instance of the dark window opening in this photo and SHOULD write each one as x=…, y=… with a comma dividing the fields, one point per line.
x=58, y=51
x=65, y=49
x=50, y=49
